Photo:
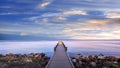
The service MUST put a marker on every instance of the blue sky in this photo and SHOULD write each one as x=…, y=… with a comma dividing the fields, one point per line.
x=59, y=19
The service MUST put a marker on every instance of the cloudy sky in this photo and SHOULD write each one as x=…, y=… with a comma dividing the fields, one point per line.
x=59, y=19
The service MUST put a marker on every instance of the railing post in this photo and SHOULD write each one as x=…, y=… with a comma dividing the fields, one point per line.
x=65, y=48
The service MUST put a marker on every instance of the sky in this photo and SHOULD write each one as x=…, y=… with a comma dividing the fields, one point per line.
x=59, y=19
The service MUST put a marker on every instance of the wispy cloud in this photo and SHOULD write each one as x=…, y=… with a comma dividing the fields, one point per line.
x=59, y=19
x=9, y=13
x=113, y=15
x=91, y=34
x=75, y=12
x=17, y=13
x=95, y=29
x=44, y=4
x=99, y=22
x=64, y=13
x=23, y=34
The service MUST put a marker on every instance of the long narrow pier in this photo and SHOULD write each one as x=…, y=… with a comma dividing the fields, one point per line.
x=60, y=58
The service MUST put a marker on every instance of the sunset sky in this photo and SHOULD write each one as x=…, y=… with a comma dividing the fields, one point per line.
x=59, y=19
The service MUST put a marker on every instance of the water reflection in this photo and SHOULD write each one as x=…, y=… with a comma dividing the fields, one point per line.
x=84, y=47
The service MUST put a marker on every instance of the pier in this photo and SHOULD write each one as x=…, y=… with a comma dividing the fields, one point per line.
x=60, y=58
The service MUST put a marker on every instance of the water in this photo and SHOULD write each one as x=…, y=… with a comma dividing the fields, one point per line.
x=74, y=47
x=110, y=48
x=27, y=47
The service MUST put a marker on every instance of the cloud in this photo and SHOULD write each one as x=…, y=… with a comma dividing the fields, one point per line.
x=93, y=29
x=66, y=31
x=33, y=18
x=45, y=20
x=37, y=19
x=89, y=25
x=9, y=13
x=113, y=15
x=17, y=13
x=93, y=19
x=91, y=34
x=100, y=22
x=104, y=22
x=59, y=19
x=65, y=13
x=44, y=4
x=75, y=12
x=23, y=34
x=51, y=14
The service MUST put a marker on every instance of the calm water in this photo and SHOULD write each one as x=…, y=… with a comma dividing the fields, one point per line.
x=74, y=47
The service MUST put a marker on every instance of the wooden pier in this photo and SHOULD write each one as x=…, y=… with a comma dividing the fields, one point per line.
x=60, y=58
